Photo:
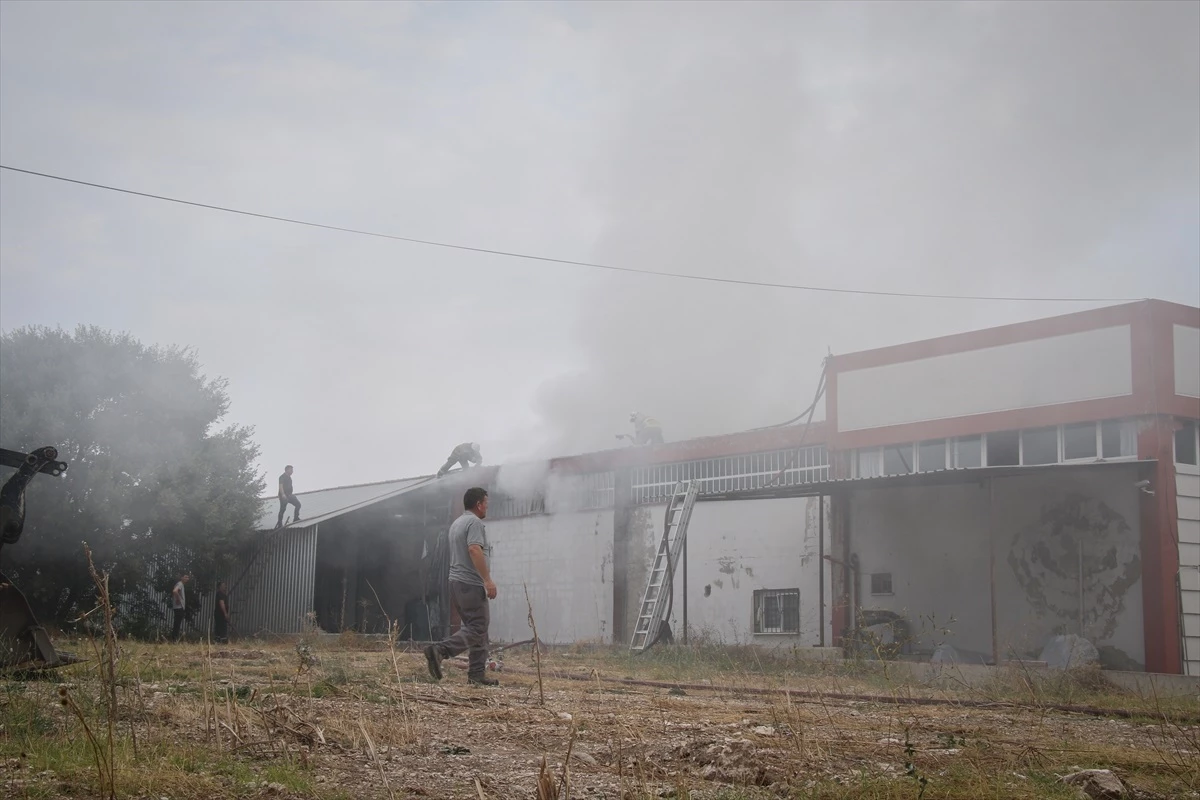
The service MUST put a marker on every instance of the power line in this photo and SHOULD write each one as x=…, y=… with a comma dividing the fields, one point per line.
x=569, y=262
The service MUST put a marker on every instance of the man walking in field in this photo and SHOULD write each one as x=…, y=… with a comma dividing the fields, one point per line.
x=471, y=588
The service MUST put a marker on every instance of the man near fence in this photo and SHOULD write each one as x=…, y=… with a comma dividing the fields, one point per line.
x=179, y=605
x=221, y=614
x=471, y=588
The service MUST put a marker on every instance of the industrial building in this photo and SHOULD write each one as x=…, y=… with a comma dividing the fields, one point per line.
x=986, y=490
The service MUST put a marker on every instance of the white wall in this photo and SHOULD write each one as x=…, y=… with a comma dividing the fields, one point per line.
x=735, y=547
x=1187, y=486
x=935, y=542
x=566, y=561
x=1187, y=361
x=1060, y=369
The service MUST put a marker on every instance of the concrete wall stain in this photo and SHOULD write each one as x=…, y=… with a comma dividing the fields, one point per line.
x=726, y=565
x=1045, y=558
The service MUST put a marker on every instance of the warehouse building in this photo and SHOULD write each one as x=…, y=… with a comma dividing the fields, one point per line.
x=984, y=491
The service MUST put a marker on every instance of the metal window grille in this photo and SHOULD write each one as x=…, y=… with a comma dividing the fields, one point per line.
x=881, y=583
x=733, y=473
x=777, y=611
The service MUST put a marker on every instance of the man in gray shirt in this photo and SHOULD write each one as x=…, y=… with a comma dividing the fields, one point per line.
x=470, y=589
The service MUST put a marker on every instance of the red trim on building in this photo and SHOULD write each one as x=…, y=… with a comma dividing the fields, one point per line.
x=1160, y=551
x=1079, y=322
x=1023, y=419
x=1153, y=375
x=732, y=444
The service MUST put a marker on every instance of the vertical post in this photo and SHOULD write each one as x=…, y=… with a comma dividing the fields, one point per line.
x=1080, y=543
x=685, y=592
x=821, y=568
x=992, y=565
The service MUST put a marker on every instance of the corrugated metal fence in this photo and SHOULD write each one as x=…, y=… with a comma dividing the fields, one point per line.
x=275, y=592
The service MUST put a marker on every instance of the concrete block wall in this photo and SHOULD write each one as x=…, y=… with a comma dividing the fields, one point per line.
x=937, y=544
x=734, y=548
x=565, y=560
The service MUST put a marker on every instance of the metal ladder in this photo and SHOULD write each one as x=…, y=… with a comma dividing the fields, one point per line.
x=658, y=584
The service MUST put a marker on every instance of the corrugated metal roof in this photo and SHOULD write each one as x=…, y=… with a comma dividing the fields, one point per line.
x=325, y=504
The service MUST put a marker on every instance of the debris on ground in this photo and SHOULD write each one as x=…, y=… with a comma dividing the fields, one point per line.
x=1098, y=784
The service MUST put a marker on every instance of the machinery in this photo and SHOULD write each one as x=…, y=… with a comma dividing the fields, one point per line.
x=24, y=644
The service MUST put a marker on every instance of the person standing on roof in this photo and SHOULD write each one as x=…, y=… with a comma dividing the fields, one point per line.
x=286, y=496
x=471, y=588
x=464, y=455
x=646, y=430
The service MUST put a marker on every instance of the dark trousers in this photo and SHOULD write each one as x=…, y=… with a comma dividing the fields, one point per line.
x=180, y=614
x=471, y=603
x=450, y=462
x=220, y=628
x=283, y=504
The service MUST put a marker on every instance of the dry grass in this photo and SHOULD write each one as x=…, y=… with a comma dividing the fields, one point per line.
x=344, y=718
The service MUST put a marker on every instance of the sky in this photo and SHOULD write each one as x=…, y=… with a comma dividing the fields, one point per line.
x=1018, y=149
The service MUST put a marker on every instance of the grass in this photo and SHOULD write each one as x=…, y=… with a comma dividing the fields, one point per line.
x=344, y=718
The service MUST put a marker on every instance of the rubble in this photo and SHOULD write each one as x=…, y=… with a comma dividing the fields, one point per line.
x=1097, y=784
x=1069, y=652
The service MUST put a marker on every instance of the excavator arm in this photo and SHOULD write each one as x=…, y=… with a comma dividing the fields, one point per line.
x=24, y=644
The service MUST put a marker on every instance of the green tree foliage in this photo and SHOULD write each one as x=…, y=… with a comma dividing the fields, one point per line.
x=152, y=472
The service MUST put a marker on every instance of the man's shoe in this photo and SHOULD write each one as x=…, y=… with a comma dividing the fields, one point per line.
x=434, y=659
x=483, y=681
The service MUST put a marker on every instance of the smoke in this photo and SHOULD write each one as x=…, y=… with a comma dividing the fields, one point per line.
x=972, y=148
x=522, y=480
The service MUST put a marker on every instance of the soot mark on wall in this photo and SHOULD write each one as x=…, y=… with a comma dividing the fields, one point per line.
x=1045, y=558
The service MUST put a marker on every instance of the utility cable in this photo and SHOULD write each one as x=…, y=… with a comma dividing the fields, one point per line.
x=566, y=261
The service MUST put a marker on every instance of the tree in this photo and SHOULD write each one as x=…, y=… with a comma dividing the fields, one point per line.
x=153, y=480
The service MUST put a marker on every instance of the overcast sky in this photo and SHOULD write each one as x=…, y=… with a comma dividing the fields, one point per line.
x=985, y=148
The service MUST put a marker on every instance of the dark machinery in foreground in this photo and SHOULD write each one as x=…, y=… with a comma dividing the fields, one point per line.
x=24, y=644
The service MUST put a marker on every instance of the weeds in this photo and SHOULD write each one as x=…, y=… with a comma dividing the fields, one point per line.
x=910, y=765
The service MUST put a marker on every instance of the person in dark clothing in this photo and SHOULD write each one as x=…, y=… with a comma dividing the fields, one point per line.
x=221, y=614
x=286, y=496
x=464, y=455
x=179, y=606
x=471, y=588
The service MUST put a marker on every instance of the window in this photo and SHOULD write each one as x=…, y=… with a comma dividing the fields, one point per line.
x=1118, y=439
x=881, y=583
x=968, y=452
x=1040, y=446
x=1003, y=449
x=898, y=459
x=777, y=611
x=1186, y=445
x=867, y=462
x=931, y=455
x=1079, y=441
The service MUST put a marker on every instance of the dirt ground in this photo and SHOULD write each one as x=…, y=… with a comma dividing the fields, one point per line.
x=347, y=718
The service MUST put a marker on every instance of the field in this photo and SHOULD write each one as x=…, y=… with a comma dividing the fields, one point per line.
x=346, y=717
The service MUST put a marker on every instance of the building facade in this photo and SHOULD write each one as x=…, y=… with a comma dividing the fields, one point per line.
x=987, y=491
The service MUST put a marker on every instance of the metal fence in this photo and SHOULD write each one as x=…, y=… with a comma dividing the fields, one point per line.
x=733, y=473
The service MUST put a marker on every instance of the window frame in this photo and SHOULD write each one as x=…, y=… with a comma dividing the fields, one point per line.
x=891, y=592
x=918, y=466
x=875, y=458
x=758, y=611
x=1195, y=426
